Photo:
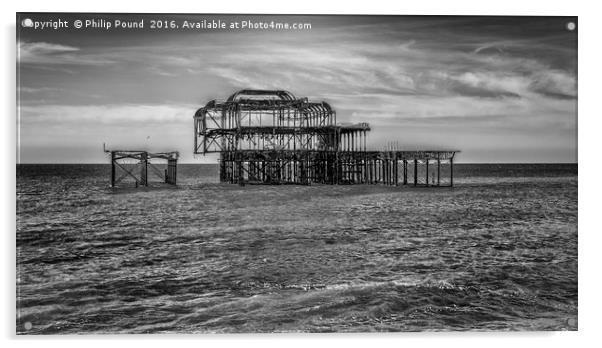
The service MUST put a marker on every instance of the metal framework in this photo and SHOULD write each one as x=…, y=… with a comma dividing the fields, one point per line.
x=272, y=137
x=128, y=165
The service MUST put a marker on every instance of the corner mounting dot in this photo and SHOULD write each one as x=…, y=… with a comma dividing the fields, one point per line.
x=570, y=26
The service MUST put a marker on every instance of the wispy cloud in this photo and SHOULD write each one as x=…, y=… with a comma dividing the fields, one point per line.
x=132, y=115
x=44, y=48
x=24, y=89
x=45, y=53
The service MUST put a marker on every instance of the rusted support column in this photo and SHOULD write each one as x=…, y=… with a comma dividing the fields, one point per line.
x=348, y=142
x=112, y=168
x=427, y=172
x=336, y=167
x=438, y=172
x=170, y=172
x=385, y=174
x=387, y=171
x=370, y=171
x=174, y=174
x=302, y=169
x=364, y=140
x=222, y=167
x=391, y=170
x=356, y=176
x=396, y=171
x=364, y=174
x=451, y=168
x=375, y=171
x=231, y=163
x=240, y=173
x=405, y=172
x=144, y=169
x=415, y=172
x=366, y=170
x=251, y=170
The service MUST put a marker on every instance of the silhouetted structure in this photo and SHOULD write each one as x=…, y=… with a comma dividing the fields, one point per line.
x=272, y=137
x=138, y=165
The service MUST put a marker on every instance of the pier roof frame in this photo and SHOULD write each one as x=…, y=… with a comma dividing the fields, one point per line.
x=280, y=94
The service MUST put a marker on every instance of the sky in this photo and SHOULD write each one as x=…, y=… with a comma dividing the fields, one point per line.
x=499, y=89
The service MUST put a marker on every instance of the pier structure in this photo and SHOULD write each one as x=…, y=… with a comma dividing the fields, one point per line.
x=133, y=166
x=273, y=137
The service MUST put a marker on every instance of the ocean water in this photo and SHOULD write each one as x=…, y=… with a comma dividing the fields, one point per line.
x=497, y=252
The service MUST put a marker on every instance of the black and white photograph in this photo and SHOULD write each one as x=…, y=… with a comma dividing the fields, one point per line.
x=285, y=173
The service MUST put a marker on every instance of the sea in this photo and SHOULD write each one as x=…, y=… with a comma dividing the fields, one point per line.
x=497, y=252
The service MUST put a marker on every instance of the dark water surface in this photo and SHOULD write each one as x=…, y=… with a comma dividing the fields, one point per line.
x=497, y=252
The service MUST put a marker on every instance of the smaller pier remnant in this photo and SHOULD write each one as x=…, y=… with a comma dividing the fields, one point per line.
x=132, y=164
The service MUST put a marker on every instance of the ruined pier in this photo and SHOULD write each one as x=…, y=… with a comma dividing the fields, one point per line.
x=134, y=166
x=273, y=137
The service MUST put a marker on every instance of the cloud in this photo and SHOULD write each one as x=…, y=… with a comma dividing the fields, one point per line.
x=555, y=83
x=539, y=111
x=409, y=68
x=45, y=53
x=32, y=90
x=133, y=115
x=44, y=48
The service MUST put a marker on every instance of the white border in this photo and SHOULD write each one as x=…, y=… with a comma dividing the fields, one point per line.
x=589, y=195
